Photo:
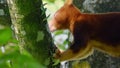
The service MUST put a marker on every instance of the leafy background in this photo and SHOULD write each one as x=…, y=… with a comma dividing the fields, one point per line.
x=10, y=55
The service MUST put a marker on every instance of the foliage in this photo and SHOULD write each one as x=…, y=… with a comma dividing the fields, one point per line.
x=62, y=39
x=5, y=35
x=51, y=1
x=10, y=53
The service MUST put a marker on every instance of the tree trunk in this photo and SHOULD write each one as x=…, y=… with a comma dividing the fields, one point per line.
x=31, y=30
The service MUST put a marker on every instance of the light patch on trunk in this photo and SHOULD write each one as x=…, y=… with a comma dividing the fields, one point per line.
x=40, y=36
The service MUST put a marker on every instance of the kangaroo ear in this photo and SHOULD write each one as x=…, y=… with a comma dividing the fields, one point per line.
x=68, y=2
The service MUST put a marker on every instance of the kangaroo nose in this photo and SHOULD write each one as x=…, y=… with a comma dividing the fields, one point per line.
x=51, y=26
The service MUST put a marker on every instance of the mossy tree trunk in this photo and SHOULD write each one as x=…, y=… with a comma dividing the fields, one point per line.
x=31, y=30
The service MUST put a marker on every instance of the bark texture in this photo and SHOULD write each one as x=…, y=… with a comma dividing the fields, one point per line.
x=31, y=30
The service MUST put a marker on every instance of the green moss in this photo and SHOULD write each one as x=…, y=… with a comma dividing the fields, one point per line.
x=40, y=36
x=25, y=6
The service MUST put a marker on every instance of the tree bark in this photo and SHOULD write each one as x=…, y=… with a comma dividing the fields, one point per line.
x=31, y=30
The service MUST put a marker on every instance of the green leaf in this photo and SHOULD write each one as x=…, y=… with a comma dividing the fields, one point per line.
x=58, y=32
x=3, y=64
x=18, y=60
x=62, y=47
x=5, y=35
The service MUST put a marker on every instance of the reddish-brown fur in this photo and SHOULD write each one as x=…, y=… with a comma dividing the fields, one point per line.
x=100, y=31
